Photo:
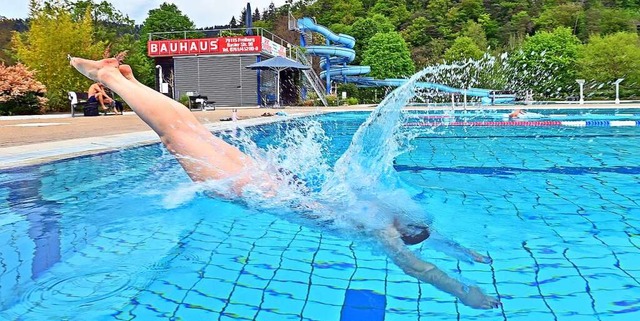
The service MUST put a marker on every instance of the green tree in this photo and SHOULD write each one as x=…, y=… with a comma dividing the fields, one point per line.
x=475, y=31
x=607, y=20
x=233, y=23
x=109, y=23
x=166, y=18
x=491, y=29
x=110, y=26
x=329, y=12
x=340, y=28
x=519, y=25
x=570, y=15
x=607, y=58
x=466, y=55
x=45, y=51
x=416, y=33
x=365, y=28
x=7, y=26
x=438, y=15
x=395, y=10
x=502, y=11
x=471, y=9
x=617, y=20
x=429, y=54
x=546, y=63
x=389, y=56
x=416, y=5
x=463, y=48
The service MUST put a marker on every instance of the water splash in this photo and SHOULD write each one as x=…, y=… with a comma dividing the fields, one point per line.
x=361, y=192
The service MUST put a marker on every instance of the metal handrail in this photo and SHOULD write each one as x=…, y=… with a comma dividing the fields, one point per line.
x=312, y=77
x=292, y=22
x=303, y=60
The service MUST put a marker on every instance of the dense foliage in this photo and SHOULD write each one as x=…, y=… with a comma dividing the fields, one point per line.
x=45, y=51
x=388, y=56
x=546, y=44
x=20, y=92
x=166, y=18
x=547, y=62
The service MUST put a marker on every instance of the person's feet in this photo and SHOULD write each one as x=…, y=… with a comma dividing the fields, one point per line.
x=93, y=69
x=126, y=71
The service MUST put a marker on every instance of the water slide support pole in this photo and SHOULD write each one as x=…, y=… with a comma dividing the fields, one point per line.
x=465, y=99
x=327, y=67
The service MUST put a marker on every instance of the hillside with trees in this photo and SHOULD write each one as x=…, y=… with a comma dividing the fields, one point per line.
x=539, y=46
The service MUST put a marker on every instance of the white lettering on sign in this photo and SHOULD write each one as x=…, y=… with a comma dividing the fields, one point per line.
x=163, y=48
x=204, y=46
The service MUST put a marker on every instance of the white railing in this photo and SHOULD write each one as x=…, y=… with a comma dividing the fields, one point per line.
x=292, y=22
x=312, y=78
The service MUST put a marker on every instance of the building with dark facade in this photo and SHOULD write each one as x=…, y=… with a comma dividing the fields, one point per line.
x=216, y=67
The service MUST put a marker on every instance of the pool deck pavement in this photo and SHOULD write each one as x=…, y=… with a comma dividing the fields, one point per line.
x=27, y=140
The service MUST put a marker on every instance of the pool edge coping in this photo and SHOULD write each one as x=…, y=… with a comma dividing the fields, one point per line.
x=47, y=152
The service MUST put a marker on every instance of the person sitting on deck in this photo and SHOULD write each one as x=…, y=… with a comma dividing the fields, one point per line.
x=206, y=157
x=97, y=94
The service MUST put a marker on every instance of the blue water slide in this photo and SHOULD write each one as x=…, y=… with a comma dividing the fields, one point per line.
x=396, y=82
x=338, y=52
x=309, y=24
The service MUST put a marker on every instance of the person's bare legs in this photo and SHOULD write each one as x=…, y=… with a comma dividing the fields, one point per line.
x=101, y=101
x=201, y=154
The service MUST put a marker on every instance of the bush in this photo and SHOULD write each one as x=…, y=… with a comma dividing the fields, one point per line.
x=332, y=100
x=184, y=99
x=352, y=101
x=20, y=93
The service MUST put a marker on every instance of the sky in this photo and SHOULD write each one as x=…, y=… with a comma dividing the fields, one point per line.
x=204, y=13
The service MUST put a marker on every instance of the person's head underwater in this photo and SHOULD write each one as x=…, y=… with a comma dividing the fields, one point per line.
x=412, y=234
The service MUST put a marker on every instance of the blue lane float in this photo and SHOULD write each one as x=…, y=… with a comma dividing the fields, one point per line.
x=590, y=123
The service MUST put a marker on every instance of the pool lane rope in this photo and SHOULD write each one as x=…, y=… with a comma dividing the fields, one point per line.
x=579, y=123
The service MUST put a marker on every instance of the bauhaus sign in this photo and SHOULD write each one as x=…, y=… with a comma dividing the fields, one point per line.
x=215, y=46
x=207, y=46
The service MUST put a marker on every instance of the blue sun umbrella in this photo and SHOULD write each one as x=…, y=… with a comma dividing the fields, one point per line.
x=278, y=64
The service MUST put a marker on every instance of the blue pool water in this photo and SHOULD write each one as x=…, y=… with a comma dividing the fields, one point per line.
x=122, y=235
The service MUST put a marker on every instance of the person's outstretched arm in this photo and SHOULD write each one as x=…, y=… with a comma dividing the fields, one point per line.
x=424, y=271
x=452, y=248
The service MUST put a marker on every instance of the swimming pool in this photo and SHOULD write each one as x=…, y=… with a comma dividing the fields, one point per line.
x=122, y=236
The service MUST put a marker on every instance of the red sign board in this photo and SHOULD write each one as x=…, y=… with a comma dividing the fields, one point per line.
x=207, y=46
